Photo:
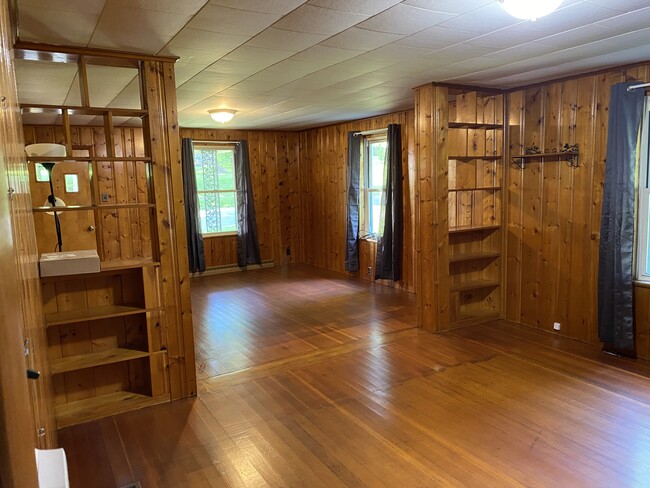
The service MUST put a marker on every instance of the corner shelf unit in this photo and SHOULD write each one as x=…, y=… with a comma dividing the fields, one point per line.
x=475, y=148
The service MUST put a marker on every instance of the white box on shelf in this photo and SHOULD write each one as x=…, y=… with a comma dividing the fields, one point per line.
x=69, y=263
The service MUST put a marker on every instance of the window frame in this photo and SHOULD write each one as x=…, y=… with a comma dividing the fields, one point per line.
x=217, y=145
x=643, y=200
x=366, y=178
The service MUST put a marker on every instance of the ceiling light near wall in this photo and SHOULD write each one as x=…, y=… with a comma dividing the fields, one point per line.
x=222, y=115
x=530, y=9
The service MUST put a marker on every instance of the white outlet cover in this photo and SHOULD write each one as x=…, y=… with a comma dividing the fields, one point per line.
x=556, y=326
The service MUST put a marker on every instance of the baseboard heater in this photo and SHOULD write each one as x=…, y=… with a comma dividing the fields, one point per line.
x=232, y=268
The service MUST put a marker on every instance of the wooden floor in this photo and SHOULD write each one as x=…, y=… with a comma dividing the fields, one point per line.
x=357, y=398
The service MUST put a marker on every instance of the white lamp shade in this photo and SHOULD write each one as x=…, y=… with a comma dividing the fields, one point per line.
x=530, y=9
x=222, y=115
x=43, y=150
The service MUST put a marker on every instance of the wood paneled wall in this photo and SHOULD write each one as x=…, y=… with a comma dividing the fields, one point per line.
x=554, y=210
x=274, y=165
x=323, y=190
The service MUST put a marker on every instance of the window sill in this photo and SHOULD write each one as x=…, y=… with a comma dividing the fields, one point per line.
x=642, y=283
x=219, y=234
x=368, y=239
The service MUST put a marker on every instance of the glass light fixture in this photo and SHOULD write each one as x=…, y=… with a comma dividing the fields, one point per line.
x=222, y=115
x=530, y=9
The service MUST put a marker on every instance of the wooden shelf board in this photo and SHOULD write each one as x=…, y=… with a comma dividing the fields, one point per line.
x=472, y=228
x=475, y=125
x=105, y=312
x=474, y=285
x=85, y=159
x=474, y=256
x=127, y=264
x=98, y=407
x=93, y=359
x=475, y=188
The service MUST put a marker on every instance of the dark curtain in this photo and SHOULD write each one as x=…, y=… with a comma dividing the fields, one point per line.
x=615, y=272
x=352, y=236
x=389, y=245
x=248, y=250
x=195, y=253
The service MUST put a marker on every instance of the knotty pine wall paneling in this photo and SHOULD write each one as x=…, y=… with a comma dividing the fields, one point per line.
x=323, y=193
x=274, y=165
x=554, y=210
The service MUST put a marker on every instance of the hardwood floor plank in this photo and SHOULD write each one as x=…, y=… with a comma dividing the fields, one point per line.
x=313, y=380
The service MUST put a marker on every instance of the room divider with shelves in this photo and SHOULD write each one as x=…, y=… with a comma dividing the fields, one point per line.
x=460, y=141
x=121, y=338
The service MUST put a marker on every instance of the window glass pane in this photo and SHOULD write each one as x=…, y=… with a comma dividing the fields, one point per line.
x=377, y=162
x=646, y=203
x=374, y=211
x=228, y=212
x=71, y=183
x=41, y=173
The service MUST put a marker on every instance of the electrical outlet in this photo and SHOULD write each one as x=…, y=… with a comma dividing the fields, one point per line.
x=369, y=270
x=105, y=197
x=288, y=251
x=556, y=326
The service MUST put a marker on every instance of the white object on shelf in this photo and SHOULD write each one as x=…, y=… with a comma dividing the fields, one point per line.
x=69, y=263
x=42, y=150
x=52, y=468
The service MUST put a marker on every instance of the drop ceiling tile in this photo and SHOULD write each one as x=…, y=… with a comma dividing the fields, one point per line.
x=281, y=7
x=436, y=38
x=451, y=6
x=57, y=26
x=359, y=65
x=367, y=7
x=190, y=56
x=201, y=40
x=205, y=89
x=79, y=6
x=520, y=53
x=637, y=19
x=506, y=37
x=145, y=42
x=126, y=18
x=285, y=40
x=482, y=20
x=234, y=67
x=261, y=56
x=317, y=20
x=405, y=20
x=107, y=82
x=362, y=39
x=571, y=17
x=222, y=80
x=174, y=6
x=296, y=67
x=326, y=56
x=581, y=35
x=622, y=5
x=226, y=20
x=394, y=53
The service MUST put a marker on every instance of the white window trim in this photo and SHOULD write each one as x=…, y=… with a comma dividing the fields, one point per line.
x=643, y=199
x=364, y=230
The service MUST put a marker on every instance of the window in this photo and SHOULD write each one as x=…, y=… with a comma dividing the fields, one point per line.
x=214, y=166
x=41, y=173
x=643, y=229
x=373, y=183
x=71, y=183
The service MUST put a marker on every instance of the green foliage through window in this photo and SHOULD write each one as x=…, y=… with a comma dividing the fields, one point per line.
x=214, y=167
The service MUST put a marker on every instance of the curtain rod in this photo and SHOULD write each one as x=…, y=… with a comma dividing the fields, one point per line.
x=369, y=132
x=229, y=143
x=634, y=87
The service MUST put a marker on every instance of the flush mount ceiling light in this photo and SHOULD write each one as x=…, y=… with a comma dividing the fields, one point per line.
x=530, y=9
x=222, y=115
